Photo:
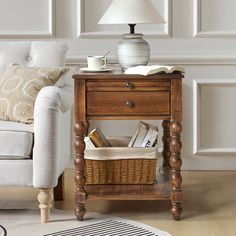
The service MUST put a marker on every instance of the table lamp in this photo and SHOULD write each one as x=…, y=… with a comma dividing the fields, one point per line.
x=132, y=49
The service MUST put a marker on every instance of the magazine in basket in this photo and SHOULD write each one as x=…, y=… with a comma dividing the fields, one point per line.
x=120, y=163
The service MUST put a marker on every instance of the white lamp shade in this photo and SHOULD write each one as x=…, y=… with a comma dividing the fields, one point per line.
x=131, y=12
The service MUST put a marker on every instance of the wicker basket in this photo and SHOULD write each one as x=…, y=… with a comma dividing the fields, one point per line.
x=120, y=164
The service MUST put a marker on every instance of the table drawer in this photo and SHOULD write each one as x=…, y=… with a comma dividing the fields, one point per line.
x=128, y=103
x=128, y=85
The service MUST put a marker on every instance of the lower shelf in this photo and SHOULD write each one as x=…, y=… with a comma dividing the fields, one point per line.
x=160, y=190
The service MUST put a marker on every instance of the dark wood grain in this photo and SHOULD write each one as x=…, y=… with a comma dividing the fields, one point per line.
x=81, y=130
x=117, y=75
x=166, y=143
x=103, y=96
x=176, y=99
x=133, y=117
x=176, y=163
x=58, y=191
x=160, y=190
x=79, y=100
x=116, y=103
x=128, y=85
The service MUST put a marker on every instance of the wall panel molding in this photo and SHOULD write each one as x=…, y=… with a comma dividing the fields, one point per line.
x=197, y=25
x=181, y=58
x=197, y=149
x=49, y=32
x=81, y=32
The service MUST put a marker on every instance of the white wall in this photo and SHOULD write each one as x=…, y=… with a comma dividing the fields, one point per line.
x=200, y=35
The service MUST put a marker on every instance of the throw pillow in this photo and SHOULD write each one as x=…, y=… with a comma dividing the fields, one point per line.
x=19, y=88
x=60, y=82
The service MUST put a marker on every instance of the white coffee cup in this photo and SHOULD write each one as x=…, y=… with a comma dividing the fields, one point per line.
x=96, y=62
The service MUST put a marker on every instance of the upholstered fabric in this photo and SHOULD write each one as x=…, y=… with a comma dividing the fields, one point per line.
x=16, y=126
x=15, y=144
x=51, y=148
x=47, y=54
x=16, y=140
x=52, y=124
x=16, y=172
x=41, y=54
x=52, y=140
x=13, y=52
x=19, y=88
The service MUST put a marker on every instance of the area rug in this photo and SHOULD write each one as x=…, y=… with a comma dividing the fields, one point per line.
x=26, y=223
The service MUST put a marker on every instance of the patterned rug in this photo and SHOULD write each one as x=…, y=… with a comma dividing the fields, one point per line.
x=109, y=227
x=26, y=222
x=3, y=231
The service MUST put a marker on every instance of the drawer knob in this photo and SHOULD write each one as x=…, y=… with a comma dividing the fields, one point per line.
x=129, y=104
x=129, y=85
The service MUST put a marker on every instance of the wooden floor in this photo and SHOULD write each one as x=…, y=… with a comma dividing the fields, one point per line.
x=209, y=205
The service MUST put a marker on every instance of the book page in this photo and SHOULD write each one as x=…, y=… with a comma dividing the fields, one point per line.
x=176, y=68
x=153, y=69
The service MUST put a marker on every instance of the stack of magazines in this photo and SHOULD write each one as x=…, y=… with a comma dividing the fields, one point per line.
x=146, y=135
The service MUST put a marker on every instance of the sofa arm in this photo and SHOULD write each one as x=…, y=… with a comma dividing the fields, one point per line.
x=52, y=97
x=52, y=122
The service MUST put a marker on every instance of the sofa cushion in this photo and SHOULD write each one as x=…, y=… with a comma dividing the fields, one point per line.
x=37, y=53
x=13, y=52
x=19, y=88
x=16, y=126
x=16, y=140
x=47, y=54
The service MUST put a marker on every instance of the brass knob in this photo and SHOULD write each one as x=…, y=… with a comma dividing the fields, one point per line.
x=129, y=104
x=129, y=85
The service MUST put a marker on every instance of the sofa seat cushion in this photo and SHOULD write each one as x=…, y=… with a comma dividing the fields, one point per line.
x=16, y=140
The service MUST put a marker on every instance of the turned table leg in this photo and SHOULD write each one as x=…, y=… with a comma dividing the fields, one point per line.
x=81, y=129
x=166, y=143
x=176, y=162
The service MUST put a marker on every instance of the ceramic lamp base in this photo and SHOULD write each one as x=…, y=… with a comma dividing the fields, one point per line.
x=133, y=50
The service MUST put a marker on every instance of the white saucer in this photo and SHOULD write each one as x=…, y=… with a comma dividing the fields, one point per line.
x=86, y=69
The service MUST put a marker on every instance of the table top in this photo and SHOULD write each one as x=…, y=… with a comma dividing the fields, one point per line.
x=117, y=72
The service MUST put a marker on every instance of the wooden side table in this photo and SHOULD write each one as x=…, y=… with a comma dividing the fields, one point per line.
x=116, y=96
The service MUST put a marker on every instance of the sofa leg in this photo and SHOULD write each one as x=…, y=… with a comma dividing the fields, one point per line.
x=45, y=198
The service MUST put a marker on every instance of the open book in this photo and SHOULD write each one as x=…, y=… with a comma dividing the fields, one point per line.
x=154, y=69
